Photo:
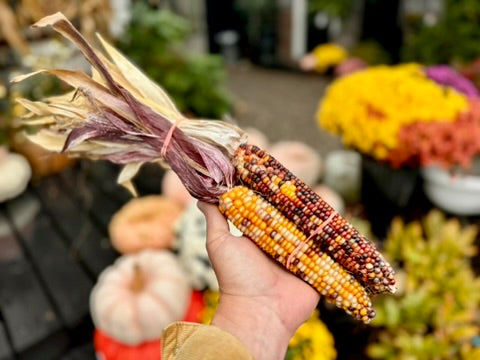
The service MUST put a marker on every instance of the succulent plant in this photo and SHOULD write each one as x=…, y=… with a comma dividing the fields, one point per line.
x=435, y=314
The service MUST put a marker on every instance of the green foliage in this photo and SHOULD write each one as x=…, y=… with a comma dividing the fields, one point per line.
x=334, y=8
x=453, y=39
x=435, y=314
x=155, y=43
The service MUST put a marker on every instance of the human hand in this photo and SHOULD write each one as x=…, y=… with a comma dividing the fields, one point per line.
x=260, y=302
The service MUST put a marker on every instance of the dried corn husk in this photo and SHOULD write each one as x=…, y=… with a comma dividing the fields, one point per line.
x=120, y=115
x=9, y=29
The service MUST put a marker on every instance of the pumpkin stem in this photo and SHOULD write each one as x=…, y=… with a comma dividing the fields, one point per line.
x=138, y=281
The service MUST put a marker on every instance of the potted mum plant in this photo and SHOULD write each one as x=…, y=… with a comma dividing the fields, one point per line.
x=413, y=122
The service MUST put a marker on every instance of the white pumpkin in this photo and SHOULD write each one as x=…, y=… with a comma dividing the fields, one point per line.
x=136, y=297
x=15, y=173
x=190, y=245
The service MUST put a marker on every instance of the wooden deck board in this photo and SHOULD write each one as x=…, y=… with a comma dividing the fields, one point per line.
x=67, y=283
x=104, y=176
x=99, y=205
x=87, y=242
x=6, y=352
x=28, y=314
x=84, y=352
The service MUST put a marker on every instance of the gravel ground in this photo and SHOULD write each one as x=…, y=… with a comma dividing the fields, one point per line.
x=280, y=103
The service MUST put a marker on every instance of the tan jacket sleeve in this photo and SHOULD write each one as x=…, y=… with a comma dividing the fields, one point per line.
x=190, y=341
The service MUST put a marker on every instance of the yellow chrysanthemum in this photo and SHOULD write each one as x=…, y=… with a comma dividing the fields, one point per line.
x=210, y=299
x=312, y=341
x=328, y=55
x=369, y=107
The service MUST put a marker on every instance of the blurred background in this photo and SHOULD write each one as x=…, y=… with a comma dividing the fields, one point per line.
x=374, y=103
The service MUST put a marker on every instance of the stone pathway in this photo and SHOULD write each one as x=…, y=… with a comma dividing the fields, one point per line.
x=280, y=103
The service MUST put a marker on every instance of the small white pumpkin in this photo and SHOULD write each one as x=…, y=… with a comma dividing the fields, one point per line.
x=140, y=294
x=15, y=173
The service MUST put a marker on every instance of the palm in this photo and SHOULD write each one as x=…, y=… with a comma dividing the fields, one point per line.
x=245, y=271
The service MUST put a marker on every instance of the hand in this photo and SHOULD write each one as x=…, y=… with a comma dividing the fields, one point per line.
x=260, y=302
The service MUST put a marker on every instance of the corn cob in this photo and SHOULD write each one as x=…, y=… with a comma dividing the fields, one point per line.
x=279, y=237
x=307, y=210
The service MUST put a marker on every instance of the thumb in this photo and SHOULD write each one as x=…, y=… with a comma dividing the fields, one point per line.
x=217, y=226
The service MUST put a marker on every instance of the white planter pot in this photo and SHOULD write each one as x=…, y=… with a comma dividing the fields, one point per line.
x=459, y=194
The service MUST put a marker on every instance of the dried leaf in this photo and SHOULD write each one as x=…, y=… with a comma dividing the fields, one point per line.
x=120, y=115
x=149, y=90
x=127, y=174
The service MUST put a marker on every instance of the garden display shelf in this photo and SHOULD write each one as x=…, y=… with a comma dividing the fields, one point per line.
x=53, y=245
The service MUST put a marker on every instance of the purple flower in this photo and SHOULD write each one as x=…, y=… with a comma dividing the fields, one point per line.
x=445, y=75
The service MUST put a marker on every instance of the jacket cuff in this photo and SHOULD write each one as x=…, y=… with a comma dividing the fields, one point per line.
x=188, y=341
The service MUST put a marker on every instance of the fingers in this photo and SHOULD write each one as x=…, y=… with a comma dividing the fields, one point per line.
x=217, y=226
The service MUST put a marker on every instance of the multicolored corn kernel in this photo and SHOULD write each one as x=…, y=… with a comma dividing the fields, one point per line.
x=279, y=237
x=307, y=210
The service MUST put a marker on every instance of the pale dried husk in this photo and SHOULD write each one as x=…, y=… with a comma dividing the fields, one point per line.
x=119, y=114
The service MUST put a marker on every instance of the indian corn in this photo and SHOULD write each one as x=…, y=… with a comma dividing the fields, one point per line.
x=307, y=210
x=279, y=237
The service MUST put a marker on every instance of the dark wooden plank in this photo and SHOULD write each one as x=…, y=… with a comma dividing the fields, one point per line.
x=6, y=352
x=66, y=282
x=83, y=352
x=149, y=179
x=9, y=246
x=10, y=249
x=52, y=347
x=29, y=316
x=104, y=175
x=91, y=246
x=99, y=205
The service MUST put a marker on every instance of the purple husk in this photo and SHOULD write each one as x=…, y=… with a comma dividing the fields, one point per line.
x=445, y=75
x=148, y=147
x=147, y=143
